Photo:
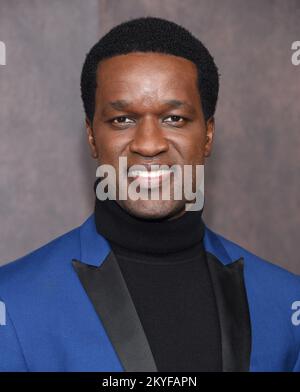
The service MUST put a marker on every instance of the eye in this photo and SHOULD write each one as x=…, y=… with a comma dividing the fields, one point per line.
x=120, y=120
x=176, y=118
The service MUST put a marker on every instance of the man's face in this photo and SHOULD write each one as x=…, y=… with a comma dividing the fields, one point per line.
x=138, y=115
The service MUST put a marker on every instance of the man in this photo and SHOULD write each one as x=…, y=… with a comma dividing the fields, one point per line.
x=144, y=284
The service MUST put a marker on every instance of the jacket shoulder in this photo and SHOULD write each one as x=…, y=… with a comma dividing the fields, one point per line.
x=274, y=300
x=42, y=259
x=235, y=251
x=30, y=288
x=264, y=278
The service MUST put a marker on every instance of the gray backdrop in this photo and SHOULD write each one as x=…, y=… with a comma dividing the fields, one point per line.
x=252, y=178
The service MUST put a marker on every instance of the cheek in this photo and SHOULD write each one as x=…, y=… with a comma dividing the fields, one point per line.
x=108, y=147
x=192, y=149
x=197, y=156
x=198, y=147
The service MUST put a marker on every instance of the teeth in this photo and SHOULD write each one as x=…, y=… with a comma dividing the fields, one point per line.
x=148, y=174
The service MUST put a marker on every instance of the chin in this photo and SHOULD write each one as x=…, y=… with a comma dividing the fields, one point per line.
x=152, y=209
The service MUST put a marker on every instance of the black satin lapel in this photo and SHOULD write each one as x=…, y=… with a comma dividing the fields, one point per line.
x=232, y=303
x=109, y=294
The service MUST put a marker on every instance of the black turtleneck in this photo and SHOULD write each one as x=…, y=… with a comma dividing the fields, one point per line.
x=164, y=266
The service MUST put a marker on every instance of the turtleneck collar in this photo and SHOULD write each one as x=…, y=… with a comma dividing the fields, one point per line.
x=148, y=236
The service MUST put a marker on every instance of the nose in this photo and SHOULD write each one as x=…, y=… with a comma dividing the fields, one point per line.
x=149, y=139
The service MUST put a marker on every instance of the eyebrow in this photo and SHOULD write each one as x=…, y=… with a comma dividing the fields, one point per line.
x=122, y=104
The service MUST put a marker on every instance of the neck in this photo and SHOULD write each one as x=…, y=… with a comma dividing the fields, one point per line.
x=162, y=237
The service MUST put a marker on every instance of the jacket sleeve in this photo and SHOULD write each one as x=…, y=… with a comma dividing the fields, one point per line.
x=297, y=365
x=11, y=355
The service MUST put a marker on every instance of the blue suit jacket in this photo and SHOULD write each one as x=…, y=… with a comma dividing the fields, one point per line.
x=68, y=309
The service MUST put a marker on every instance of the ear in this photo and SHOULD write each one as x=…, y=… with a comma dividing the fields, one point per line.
x=91, y=139
x=210, y=129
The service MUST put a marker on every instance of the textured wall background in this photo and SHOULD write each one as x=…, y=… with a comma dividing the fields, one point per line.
x=252, y=178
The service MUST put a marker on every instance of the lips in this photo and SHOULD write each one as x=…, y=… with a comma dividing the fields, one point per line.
x=147, y=173
x=149, y=177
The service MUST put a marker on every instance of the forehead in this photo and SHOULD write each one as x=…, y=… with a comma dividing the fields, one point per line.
x=146, y=76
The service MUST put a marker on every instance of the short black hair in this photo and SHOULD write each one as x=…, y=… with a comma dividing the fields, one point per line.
x=151, y=34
